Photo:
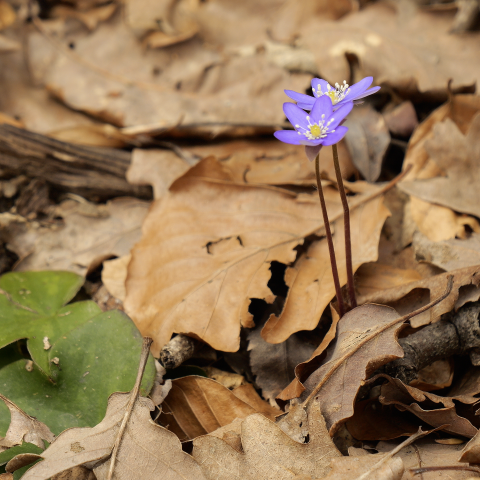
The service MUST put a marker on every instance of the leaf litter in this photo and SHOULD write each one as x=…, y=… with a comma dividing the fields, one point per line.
x=195, y=88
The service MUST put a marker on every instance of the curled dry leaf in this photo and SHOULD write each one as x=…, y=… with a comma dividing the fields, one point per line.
x=409, y=398
x=406, y=297
x=269, y=453
x=84, y=242
x=197, y=405
x=24, y=428
x=366, y=339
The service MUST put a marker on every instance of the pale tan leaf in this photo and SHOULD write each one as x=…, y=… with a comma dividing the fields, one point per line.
x=24, y=428
x=159, y=168
x=270, y=454
x=449, y=254
x=85, y=241
x=458, y=157
x=114, y=274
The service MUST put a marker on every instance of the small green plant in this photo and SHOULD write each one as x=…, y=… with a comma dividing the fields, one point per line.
x=60, y=361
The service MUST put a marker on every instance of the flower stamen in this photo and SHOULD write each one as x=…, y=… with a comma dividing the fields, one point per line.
x=316, y=131
x=336, y=94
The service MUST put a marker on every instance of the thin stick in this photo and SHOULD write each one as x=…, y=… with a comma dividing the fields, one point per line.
x=131, y=403
x=328, y=234
x=346, y=224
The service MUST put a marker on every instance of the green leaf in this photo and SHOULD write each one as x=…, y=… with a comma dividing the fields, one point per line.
x=94, y=360
x=32, y=307
x=7, y=455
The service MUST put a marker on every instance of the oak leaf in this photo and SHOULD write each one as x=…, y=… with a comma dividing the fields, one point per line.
x=197, y=273
x=269, y=453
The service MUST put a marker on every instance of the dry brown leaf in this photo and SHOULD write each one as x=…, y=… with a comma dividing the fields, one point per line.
x=310, y=278
x=125, y=444
x=367, y=140
x=249, y=395
x=449, y=254
x=270, y=454
x=373, y=421
x=197, y=405
x=274, y=364
x=86, y=239
x=365, y=467
x=409, y=398
x=402, y=119
x=410, y=296
x=114, y=274
x=187, y=84
x=90, y=18
x=458, y=157
x=227, y=379
x=366, y=339
x=228, y=245
x=389, y=48
x=24, y=428
x=7, y=14
x=427, y=453
x=373, y=277
x=439, y=223
x=159, y=168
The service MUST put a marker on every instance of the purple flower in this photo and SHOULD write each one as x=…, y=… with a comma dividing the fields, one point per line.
x=339, y=95
x=315, y=129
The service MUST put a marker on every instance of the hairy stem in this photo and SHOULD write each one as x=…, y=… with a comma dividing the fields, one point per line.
x=346, y=223
x=328, y=234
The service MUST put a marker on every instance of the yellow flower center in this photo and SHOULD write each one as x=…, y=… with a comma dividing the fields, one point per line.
x=333, y=96
x=315, y=131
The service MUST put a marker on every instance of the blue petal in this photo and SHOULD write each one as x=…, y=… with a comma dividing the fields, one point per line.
x=312, y=152
x=306, y=106
x=359, y=87
x=316, y=82
x=295, y=114
x=370, y=91
x=299, y=97
x=340, y=114
x=322, y=106
x=335, y=137
x=288, y=136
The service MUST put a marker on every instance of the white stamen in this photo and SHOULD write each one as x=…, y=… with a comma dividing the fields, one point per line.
x=336, y=94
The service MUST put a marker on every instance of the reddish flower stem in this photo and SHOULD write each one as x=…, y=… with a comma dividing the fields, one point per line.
x=328, y=234
x=346, y=223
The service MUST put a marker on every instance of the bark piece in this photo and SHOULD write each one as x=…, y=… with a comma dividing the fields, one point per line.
x=90, y=172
